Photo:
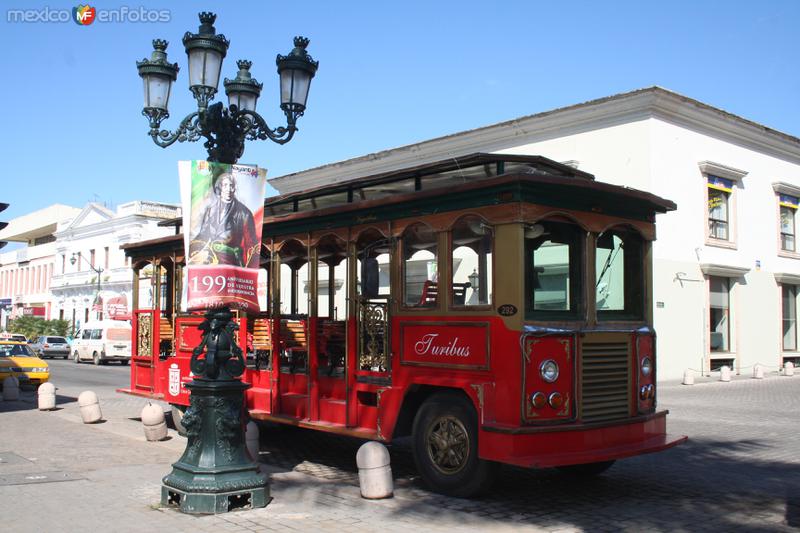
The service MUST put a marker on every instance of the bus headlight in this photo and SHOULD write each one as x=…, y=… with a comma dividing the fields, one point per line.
x=549, y=370
x=647, y=366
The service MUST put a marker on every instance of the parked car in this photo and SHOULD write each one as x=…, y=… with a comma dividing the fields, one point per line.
x=16, y=337
x=103, y=341
x=49, y=346
x=18, y=360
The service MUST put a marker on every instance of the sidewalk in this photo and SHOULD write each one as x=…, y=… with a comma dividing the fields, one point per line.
x=58, y=474
x=739, y=471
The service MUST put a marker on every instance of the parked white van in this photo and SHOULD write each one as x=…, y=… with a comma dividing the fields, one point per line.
x=102, y=341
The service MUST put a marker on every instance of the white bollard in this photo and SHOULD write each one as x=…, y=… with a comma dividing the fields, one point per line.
x=155, y=425
x=11, y=389
x=688, y=377
x=90, y=407
x=47, y=397
x=725, y=373
x=788, y=368
x=374, y=471
x=758, y=372
x=251, y=440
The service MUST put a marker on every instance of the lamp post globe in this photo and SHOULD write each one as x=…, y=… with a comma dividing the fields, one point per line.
x=244, y=90
x=157, y=73
x=205, y=50
x=296, y=71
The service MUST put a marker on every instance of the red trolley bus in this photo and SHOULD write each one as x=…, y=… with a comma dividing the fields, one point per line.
x=495, y=308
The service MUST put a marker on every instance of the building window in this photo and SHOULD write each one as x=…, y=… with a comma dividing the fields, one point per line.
x=788, y=208
x=63, y=263
x=719, y=193
x=719, y=322
x=789, y=313
x=91, y=258
x=106, y=249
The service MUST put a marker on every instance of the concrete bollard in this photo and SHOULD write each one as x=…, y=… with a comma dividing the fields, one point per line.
x=374, y=471
x=90, y=407
x=155, y=425
x=11, y=389
x=758, y=372
x=725, y=373
x=47, y=397
x=251, y=440
x=688, y=377
x=788, y=368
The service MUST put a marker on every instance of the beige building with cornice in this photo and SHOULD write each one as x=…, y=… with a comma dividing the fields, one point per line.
x=727, y=264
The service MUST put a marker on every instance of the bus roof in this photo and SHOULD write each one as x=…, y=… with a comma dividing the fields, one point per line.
x=534, y=178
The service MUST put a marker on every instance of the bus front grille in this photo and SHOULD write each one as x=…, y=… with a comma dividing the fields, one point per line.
x=605, y=381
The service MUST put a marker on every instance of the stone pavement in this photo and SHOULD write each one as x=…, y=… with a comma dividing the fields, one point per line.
x=740, y=471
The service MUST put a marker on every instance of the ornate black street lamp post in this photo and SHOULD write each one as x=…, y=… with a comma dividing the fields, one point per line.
x=215, y=474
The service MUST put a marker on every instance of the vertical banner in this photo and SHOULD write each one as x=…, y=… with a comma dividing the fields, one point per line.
x=223, y=211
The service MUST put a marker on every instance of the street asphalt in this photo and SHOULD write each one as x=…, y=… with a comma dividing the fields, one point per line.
x=740, y=471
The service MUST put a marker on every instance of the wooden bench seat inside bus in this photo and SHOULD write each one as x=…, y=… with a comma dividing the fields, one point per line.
x=331, y=345
x=460, y=293
x=430, y=291
x=166, y=335
x=294, y=345
x=262, y=341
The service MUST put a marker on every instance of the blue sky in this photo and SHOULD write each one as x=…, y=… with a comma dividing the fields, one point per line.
x=391, y=73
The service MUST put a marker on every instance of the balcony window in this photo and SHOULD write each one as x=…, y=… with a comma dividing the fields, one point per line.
x=719, y=193
x=788, y=209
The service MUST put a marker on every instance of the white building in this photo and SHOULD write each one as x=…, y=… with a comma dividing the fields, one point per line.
x=25, y=273
x=92, y=277
x=727, y=267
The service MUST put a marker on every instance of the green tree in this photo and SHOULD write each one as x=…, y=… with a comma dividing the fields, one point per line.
x=33, y=326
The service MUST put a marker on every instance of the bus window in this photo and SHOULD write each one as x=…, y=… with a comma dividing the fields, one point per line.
x=472, y=262
x=331, y=276
x=146, y=298
x=294, y=278
x=553, y=258
x=619, y=280
x=420, y=275
x=372, y=264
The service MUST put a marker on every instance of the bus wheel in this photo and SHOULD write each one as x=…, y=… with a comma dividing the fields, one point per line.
x=96, y=359
x=76, y=357
x=177, y=418
x=586, y=470
x=445, y=438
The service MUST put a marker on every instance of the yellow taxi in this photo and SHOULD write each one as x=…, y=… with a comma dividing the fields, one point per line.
x=18, y=360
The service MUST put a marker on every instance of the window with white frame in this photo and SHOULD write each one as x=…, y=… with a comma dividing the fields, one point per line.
x=719, y=193
x=788, y=209
x=721, y=184
x=719, y=320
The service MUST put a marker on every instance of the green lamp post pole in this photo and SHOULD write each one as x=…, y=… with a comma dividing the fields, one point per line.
x=215, y=474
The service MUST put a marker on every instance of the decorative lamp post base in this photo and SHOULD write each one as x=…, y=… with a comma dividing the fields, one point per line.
x=215, y=474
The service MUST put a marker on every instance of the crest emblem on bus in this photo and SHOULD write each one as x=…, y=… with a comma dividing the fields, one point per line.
x=174, y=379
